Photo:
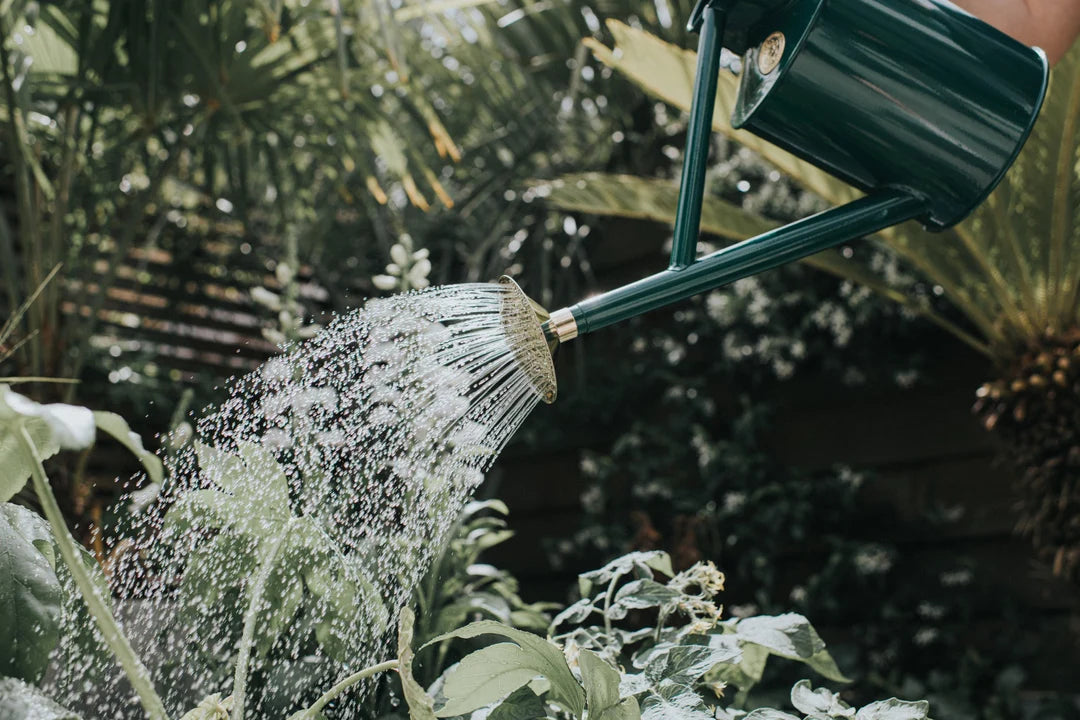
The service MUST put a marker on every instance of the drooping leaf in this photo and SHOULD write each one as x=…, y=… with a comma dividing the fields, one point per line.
x=516, y=664
x=117, y=428
x=20, y=701
x=30, y=594
x=790, y=636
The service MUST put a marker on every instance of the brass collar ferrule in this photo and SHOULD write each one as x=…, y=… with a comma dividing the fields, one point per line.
x=561, y=326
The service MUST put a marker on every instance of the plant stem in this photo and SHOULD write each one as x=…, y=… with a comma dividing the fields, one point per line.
x=607, y=603
x=344, y=685
x=247, y=638
x=134, y=669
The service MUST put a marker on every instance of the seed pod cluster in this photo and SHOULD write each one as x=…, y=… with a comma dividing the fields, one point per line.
x=1035, y=409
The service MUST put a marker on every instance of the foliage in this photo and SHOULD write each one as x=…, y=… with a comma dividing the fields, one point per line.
x=20, y=701
x=30, y=594
x=673, y=661
x=458, y=588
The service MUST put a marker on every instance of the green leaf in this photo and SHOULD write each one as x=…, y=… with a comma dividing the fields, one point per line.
x=683, y=663
x=644, y=564
x=487, y=676
x=674, y=701
x=641, y=594
x=790, y=636
x=820, y=702
x=265, y=481
x=19, y=701
x=421, y=706
x=516, y=665
x=15, y=467
x=602, y=690
x=30, y=594
x=117, y=428
x=522, y=704
x=769, y=714
x=893, y=709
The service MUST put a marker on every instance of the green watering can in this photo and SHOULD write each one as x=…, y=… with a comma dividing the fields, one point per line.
x=915, y=102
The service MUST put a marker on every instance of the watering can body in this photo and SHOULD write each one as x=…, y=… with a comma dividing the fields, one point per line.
x=915, y=102
x=912, y=95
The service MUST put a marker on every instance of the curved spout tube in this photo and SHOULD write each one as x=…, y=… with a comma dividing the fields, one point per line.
x=785, y=244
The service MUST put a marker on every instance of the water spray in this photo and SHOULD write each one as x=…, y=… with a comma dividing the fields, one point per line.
x=916, y=103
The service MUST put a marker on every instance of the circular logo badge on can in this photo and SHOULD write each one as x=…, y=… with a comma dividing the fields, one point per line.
x=770, y=52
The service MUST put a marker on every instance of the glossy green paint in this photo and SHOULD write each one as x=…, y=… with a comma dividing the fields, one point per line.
x=913, y=101
x=777, y=247
x=905, y=94
x=698, y=130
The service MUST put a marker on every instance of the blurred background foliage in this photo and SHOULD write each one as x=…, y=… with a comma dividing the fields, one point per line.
x=284, y=159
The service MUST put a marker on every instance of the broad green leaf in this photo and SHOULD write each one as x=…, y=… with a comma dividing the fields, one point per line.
x=790, y=636
x=683, y=663
x=746, y=672
x=523, y=704
x=223, y=469
x=893, y=709
x=116, y=427
x=19, y=701
x=486, y=676
x=266, y=480
x=30, y=594
x=15, y=467
x=420, y=703
x=602, y=690
x=535, y=655
x=819, y=702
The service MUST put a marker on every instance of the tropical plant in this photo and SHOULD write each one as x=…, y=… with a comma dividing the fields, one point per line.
x=1009, y=270
x=123, y=121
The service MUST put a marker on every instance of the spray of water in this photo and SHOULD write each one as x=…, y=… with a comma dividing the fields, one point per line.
x=315, y=497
